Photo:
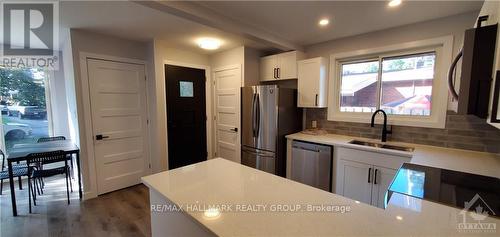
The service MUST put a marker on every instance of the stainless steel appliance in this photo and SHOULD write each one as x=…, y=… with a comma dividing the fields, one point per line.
x=312, y=164
x=477, y=55
x=268, y=113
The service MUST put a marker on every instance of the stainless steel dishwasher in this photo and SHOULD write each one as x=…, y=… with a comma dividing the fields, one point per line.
x=312, y=164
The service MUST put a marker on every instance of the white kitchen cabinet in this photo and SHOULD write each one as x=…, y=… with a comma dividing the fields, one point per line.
x=312, y=83
x=268, y=67
x=365, y=176
x=280, y=66
x=382, y=178
x=355, y=183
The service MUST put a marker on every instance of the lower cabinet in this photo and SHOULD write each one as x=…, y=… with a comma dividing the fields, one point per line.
x=382, y=178
x=365, y=176
x=355, y=181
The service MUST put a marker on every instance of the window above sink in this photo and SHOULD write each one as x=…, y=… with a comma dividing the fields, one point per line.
x=407, y=81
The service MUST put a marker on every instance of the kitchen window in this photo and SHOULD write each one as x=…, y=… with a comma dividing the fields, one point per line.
x=407, y=83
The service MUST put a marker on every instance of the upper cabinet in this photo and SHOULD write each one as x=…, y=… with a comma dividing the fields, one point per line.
x=312, y=83
x=280, y=66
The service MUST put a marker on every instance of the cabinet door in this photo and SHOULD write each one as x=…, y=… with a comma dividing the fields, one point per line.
x=307, y=83
x=287, y=65
x=267, y=68
x=355, y=180
x=382, y=178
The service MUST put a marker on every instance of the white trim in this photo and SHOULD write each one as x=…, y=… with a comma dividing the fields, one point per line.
x=208, y=102
x=87, y=116
x=443, y=47
x=214, y=109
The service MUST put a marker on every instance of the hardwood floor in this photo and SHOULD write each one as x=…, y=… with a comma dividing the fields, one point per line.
x=121, y=213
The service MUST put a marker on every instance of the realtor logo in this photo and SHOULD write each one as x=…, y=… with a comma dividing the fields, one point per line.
x=30, y=34
x=473, y=215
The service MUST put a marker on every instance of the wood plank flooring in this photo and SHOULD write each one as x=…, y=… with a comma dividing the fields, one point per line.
x=121, y=213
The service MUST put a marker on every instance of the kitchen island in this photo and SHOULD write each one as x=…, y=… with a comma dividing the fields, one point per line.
x=222, y=198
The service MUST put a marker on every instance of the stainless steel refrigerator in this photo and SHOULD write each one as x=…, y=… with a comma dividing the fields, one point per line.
x=268, y=114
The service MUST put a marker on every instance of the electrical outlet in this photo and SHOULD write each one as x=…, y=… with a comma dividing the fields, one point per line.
x=314, y=124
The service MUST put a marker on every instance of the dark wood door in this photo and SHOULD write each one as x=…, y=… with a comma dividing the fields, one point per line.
x=186, y=115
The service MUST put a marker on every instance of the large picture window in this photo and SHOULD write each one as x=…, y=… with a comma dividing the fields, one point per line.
x=23, y=100
x=399, y=85
x=407, y=81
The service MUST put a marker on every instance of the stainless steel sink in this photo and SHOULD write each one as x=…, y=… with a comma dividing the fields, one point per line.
x=384, y=146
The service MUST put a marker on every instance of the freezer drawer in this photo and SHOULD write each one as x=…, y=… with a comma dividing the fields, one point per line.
x=312, y=164
x=258, y=159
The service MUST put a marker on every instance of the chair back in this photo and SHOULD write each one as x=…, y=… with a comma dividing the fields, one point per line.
x=50, y=139
x=3, y=159
x=47, y=157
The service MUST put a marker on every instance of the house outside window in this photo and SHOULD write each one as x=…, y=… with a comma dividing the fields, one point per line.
x=407, y=81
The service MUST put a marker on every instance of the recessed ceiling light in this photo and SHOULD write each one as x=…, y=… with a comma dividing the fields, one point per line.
x=324, y=22
x=399, y=218
x=394, y=3
x=209, y=43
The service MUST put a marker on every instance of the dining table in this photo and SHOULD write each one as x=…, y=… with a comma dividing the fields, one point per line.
x=19, y=153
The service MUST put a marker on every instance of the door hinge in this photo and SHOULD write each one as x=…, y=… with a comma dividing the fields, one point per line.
x=149, y=165
x=147, y=121
x=144, y=77
x=214, y=82
x=215, y=117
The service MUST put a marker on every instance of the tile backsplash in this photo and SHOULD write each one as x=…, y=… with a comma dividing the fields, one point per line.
x=461, y=131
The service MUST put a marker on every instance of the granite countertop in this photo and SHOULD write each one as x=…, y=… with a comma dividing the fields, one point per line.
x=219, y=181
x=482, y=163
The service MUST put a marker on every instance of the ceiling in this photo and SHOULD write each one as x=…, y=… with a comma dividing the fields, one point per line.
x=136, y=22
x=291, y=21
x=297, y=21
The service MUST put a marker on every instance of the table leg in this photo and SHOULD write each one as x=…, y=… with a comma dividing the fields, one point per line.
x=79, y=174
x=12, y=190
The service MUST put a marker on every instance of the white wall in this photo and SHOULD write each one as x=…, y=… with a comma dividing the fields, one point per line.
x=84, y=41
x=247, y=57
x=453, y=25
x=159, y=51
x=229, y=57
x=58, y=101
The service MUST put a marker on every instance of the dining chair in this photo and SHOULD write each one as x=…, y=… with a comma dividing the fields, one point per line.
x=35, y=173
x=18, y=170
x=50, y=139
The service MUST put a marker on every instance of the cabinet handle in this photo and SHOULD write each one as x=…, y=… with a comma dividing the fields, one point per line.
x=316, y=100
x=278, y=72
x=369, y=174
x=375, y=178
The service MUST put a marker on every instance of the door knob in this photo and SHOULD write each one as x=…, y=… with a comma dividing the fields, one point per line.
x=234, y=129
x=100, y=137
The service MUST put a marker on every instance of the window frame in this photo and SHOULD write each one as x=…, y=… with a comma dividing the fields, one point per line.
x=442, y=46
x=48, y=84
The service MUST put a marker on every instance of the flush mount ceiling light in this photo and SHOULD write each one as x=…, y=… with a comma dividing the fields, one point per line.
x=208, y=43
x=394, y=3
x=211, y=213
x=324, y=22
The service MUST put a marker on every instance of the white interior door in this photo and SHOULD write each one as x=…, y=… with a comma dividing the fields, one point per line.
x=119, y=115
x=227, y=110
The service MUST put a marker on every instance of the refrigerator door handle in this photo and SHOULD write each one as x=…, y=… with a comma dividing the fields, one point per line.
x=253, y=114
x=257, y=117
